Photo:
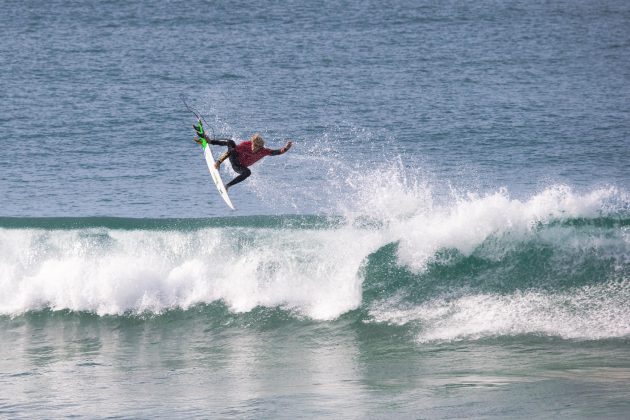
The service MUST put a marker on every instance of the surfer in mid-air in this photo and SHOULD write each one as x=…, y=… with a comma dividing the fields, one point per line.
x=242, y=155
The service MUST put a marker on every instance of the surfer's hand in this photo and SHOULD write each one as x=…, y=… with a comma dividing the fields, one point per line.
x=217, y=165
x=288, y=145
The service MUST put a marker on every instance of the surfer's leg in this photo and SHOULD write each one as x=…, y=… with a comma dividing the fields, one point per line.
x=218, y=142
x=231, y=153
x=229, y=143
x=239, y=169
x=243, y=175
x=236, y=164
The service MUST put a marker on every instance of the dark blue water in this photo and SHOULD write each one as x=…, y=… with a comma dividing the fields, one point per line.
x=479, y=95
x=447, y=238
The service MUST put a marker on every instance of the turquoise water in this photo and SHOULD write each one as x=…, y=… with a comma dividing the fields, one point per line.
x=449, y=237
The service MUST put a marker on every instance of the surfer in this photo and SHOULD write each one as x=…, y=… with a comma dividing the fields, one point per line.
x=242, y=155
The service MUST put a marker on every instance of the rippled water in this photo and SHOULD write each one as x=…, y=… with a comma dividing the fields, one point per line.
x=447, y=238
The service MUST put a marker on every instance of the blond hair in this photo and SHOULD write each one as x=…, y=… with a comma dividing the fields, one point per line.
x=257, y=140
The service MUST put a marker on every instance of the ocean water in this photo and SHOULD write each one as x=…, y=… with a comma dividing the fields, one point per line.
x=448, y=238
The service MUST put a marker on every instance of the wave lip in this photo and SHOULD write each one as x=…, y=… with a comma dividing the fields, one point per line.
x=472, y=220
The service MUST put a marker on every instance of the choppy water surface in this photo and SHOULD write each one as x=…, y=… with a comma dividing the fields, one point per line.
x=448, y=237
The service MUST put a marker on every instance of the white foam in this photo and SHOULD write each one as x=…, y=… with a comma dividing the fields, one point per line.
x=411, y=216
x=314, y=272
x=112, y=272
x=587, y=313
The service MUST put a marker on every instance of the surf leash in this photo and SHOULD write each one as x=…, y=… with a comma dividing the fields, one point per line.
x=196, y=113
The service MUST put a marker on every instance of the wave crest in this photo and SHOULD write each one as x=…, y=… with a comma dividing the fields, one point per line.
x=413, y=257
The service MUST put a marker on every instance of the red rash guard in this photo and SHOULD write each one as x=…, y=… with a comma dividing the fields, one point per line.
x=245, y=155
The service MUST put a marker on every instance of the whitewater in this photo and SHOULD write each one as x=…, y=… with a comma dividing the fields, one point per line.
x=448, y=237
x=556, y=263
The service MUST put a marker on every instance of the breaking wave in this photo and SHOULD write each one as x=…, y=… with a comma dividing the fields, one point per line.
x=556, y=263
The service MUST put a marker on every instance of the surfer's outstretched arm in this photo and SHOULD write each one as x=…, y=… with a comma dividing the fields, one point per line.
x=276, y=152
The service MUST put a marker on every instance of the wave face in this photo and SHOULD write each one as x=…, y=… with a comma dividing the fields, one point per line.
x=554, y=264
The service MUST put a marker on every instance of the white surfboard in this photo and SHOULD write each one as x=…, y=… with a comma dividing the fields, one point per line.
x=216, y=177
